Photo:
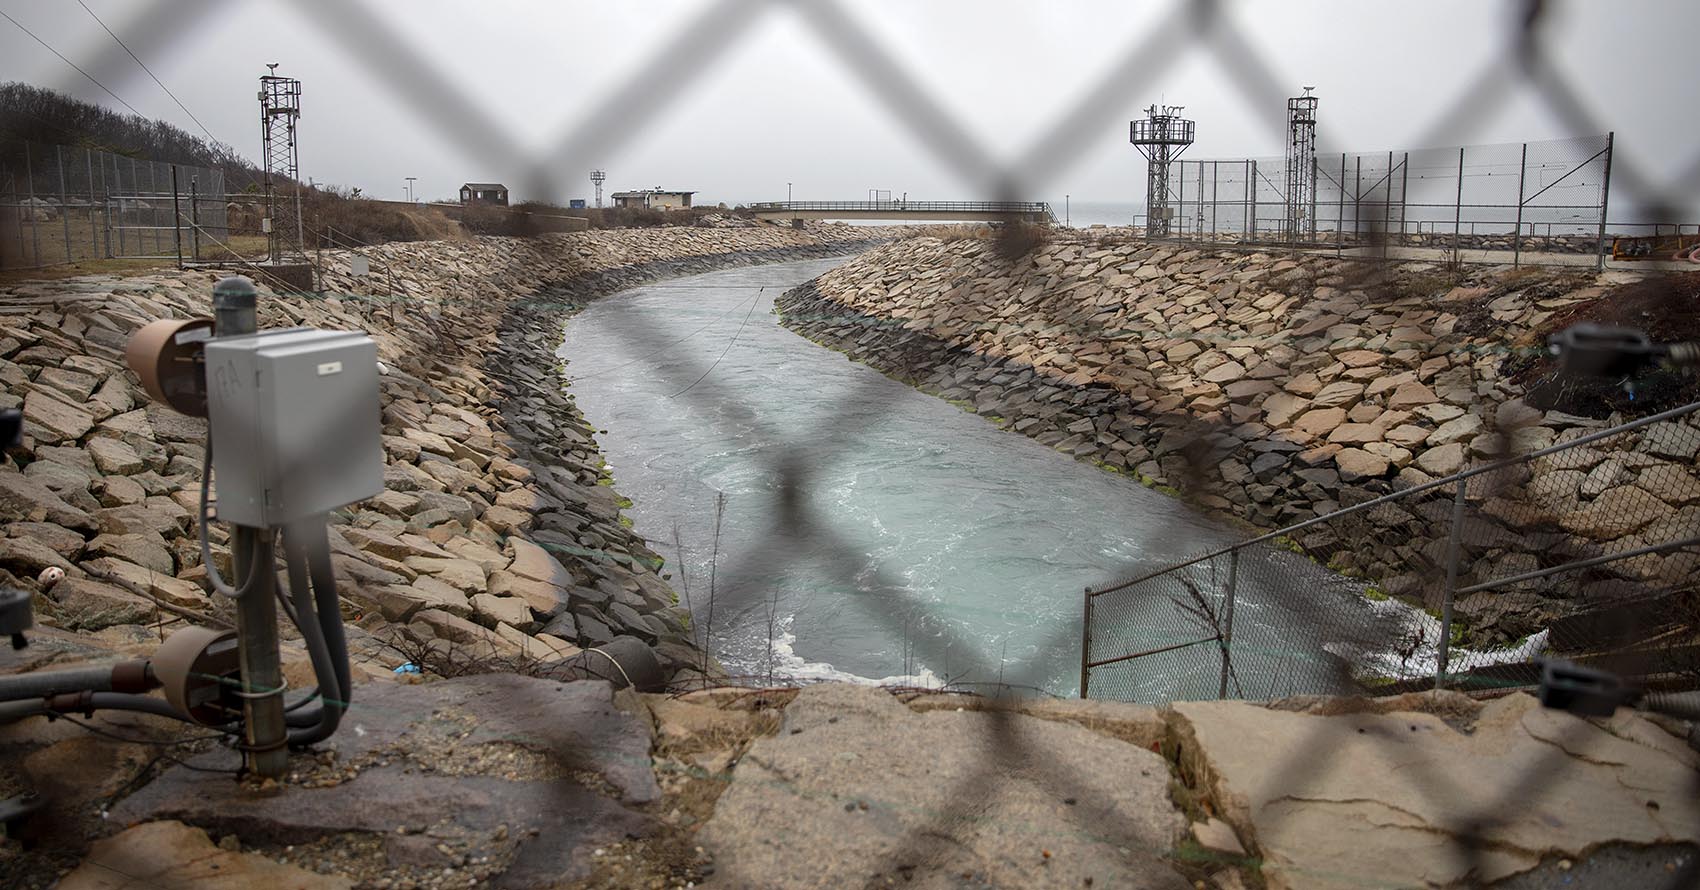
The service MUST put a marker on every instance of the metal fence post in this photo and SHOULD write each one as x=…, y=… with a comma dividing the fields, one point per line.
x=1340, y=210
x=35, y=230
x=1226, y=641
x=1085, y=643
x=64, y=200
x=195, y=217
x=1444, y=646
x=1252, y=188
x=176, y=219
x=94, y=233
x=1517, y=233
x=1404, y=193
x=1458, y=206
x=1605, y=201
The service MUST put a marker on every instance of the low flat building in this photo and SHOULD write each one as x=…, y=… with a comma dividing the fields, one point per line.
x=654, y=199
x=484, y=193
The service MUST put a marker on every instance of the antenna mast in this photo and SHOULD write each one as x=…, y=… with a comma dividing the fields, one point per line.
x=1161, y=137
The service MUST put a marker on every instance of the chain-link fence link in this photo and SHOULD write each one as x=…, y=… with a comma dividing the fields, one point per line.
x=66, y=204
x=1523, y=200
x=1583, y=549
x=1201, y=630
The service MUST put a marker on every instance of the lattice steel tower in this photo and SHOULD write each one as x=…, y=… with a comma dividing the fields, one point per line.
x=597, y=177
x=1301, y=167
x=280, y=109
x=1160, y=137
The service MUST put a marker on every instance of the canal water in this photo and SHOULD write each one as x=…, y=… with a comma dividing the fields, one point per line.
x=865, y=530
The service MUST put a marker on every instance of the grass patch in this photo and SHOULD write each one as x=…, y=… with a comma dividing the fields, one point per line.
x=1375, y=594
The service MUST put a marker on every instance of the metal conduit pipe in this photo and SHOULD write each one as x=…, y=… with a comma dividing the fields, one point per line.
x=329, y=711
x=125, y=676
x=329, y=606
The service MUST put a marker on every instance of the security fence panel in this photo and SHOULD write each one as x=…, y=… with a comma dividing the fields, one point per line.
x=67, y=204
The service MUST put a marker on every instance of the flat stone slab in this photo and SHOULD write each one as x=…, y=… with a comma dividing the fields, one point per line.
x=174, y=856
x=530, y=773
x=1402, y=799
x=858, y=790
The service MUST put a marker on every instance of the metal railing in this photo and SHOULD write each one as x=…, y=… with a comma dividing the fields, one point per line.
x=1031, y=208
x=1583, y=548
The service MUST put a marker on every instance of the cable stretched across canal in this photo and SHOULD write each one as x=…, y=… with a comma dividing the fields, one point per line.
x=728, y=348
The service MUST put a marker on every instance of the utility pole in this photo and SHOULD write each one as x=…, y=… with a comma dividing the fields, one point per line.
x=410, y=180
x=787, y=192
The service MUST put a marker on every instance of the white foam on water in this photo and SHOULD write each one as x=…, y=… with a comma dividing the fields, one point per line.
x=788, y=665
x=1422, y=633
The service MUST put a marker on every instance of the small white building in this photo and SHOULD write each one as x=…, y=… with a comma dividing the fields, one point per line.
x=654, y=199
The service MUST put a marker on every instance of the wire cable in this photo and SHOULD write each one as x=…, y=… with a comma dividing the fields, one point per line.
x=155, y=77
x=665, y=346
x=62, y=58
x=723, y=352
x=261, y=552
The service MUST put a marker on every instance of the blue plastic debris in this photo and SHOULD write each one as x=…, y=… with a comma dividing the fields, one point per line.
x=409, y=668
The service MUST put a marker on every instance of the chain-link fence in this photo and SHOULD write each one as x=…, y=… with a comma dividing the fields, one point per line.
x=1585, y=549
x=65, y=204
x=1205, y=631
x=1524, y=200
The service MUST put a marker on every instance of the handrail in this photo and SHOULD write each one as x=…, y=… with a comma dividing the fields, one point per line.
x=900, y=205
x=1410, y=492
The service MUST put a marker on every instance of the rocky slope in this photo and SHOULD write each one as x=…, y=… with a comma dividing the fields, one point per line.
x=498, y=534
x=1273, y=389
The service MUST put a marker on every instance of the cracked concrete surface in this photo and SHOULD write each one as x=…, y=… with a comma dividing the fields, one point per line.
x=1406, y=800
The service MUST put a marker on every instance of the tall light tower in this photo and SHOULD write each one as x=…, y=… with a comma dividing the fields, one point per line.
x=1160, y=137
x=597, y=177
x=1301, y=167
x=280, y=109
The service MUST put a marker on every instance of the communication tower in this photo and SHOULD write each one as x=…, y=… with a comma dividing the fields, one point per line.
x=1160, y=137
x=280, y=110
x=1301, y=167
x=597, y=177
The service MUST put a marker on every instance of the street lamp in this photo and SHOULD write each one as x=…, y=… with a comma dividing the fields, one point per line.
x=410, y=180
x=787, y=192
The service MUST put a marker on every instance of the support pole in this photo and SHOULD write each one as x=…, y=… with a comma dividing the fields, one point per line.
x=1250, y=208
x=64, y=201
x=195, y=217
x=1605, y=200
x=1444, y=646
x=1086, y=644
x=1517, y=232
x=35, y=227
x=1458, y=207
x=176, y=219
x=235, y=314
x=1340, y=211
x=1404, y=192
x=94, y=233
x=1227, y=639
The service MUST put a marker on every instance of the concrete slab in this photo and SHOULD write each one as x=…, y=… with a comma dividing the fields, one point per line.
x=858, y=790
x=1402, y=799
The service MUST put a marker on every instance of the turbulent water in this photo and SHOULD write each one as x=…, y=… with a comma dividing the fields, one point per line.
x=922, y=543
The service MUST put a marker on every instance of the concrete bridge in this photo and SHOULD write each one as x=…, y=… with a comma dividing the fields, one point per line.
x=938, y=211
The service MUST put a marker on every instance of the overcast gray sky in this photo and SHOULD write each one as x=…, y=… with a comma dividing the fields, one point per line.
x=771, y=102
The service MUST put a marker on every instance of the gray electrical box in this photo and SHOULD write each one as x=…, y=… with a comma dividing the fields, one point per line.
x=295, y=423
